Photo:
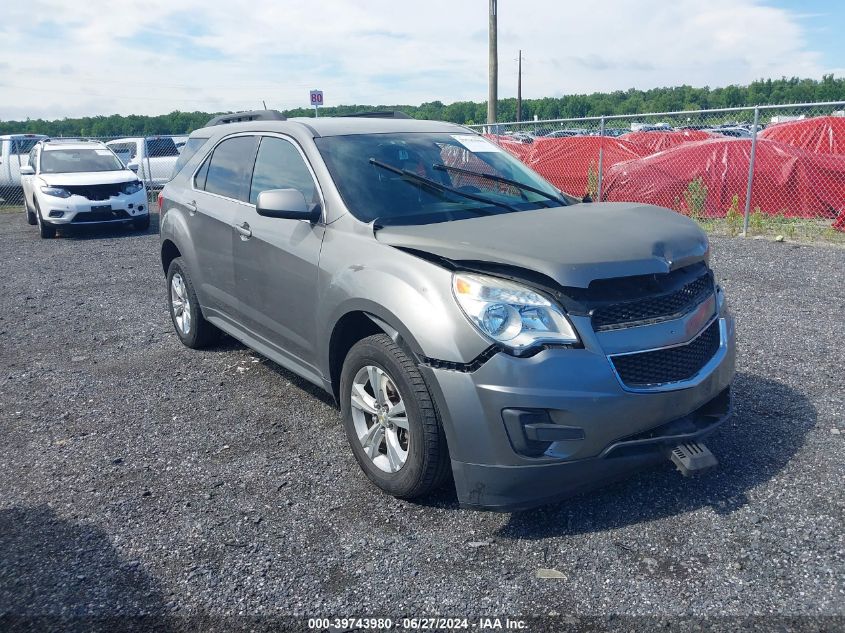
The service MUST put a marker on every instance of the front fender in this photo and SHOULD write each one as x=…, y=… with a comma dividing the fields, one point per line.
x=409, y=294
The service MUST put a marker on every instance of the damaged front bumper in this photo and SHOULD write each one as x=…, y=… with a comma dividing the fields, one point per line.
x=524, y=432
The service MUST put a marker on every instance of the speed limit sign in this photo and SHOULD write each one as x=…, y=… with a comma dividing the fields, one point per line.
x=316, y=98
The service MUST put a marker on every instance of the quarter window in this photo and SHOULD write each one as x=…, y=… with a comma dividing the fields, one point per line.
x=279, y=165
x=230, y=168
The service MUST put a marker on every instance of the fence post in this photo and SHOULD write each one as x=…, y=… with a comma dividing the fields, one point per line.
x=149, y=167
x=601, y=160
x=751, y=171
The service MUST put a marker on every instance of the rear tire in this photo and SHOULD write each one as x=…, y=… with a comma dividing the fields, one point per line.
x=185, y=311
x=47, y=231
x=396, y=438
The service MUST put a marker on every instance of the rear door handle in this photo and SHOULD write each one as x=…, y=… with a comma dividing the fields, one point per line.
x=192, y=206
x=244, y=230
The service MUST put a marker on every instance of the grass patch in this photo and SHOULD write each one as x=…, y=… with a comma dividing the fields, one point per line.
x=766, y=225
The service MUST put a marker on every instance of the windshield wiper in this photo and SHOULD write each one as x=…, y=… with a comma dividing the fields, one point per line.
x=433, y=184
x=502, y=179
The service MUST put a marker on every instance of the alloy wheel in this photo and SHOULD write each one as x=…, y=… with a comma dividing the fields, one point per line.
x=380, y=419
x=180, y=303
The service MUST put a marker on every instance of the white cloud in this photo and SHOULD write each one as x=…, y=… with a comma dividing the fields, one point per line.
x=159, y=55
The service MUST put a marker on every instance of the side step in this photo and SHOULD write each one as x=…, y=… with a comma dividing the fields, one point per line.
x=692, y=458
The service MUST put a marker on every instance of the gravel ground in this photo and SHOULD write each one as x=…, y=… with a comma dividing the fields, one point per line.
x=140, y=477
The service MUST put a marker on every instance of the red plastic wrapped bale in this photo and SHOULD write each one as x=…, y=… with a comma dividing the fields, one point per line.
x=571, y=163
x=703, y=178
x=820, y=135
x=658, y=141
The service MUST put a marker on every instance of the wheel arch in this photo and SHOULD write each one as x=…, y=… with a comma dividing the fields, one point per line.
x=169, y=252
x=352, y=327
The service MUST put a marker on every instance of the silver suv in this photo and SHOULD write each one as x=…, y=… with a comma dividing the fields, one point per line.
x=471, y=320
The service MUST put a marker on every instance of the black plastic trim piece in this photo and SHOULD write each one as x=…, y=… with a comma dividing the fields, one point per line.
x=466, y=368
x=379, y=114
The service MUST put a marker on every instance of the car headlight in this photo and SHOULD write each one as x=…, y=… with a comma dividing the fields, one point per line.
x=509, y=313
x=132, y=187
x=58, y=192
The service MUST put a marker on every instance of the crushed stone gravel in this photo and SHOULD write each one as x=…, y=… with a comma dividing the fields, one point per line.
x=141, y=477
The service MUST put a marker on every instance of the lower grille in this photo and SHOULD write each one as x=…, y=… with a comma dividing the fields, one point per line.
x=100, y=216
x=669, y=365
x=96, y=192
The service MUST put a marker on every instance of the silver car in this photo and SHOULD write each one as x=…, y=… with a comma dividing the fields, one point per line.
x=471, y=321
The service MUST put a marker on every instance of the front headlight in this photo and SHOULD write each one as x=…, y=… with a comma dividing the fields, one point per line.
x=509, y=313
x=58, y=192
x=132, y=187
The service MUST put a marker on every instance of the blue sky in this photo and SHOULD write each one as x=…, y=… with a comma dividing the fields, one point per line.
x=824, y=21
x=60, y=58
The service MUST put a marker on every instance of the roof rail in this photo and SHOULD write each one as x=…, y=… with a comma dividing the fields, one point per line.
x=69, y=139
x=379, y=114
x=247, y=115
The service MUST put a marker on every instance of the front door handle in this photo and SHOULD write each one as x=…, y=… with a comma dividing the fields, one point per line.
x=244, y=230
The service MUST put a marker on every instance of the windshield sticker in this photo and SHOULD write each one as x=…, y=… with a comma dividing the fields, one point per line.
x=103, y=152
x=476, y=144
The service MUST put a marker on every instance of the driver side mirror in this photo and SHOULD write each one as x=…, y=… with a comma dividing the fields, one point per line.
x=285, y=203
x=132, y=167
x=27, y=170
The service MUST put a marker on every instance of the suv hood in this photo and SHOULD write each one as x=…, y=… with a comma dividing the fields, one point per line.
x=573, y=245
x=89, y=178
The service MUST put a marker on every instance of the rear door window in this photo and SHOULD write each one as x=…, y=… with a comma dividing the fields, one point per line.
x=161, y=146
x=230, y=168
x=22, y=146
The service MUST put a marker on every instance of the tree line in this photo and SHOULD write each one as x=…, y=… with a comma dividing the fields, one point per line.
x=632, y=101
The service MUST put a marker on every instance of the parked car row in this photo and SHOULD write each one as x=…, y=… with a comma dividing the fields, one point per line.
x=153, y=158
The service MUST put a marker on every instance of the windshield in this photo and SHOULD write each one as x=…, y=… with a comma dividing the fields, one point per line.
x=370, y=191
x=68, y=161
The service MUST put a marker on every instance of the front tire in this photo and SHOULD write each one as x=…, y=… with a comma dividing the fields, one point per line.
x=30, y=214
x=47, y=231
x=185, y=312
x=390, y=419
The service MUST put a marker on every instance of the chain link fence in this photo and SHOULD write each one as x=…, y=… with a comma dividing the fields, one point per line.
x=152, y=158
x=777, y=170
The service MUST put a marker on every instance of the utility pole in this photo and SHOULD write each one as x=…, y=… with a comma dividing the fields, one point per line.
x=493, y=70
x=519, y=89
